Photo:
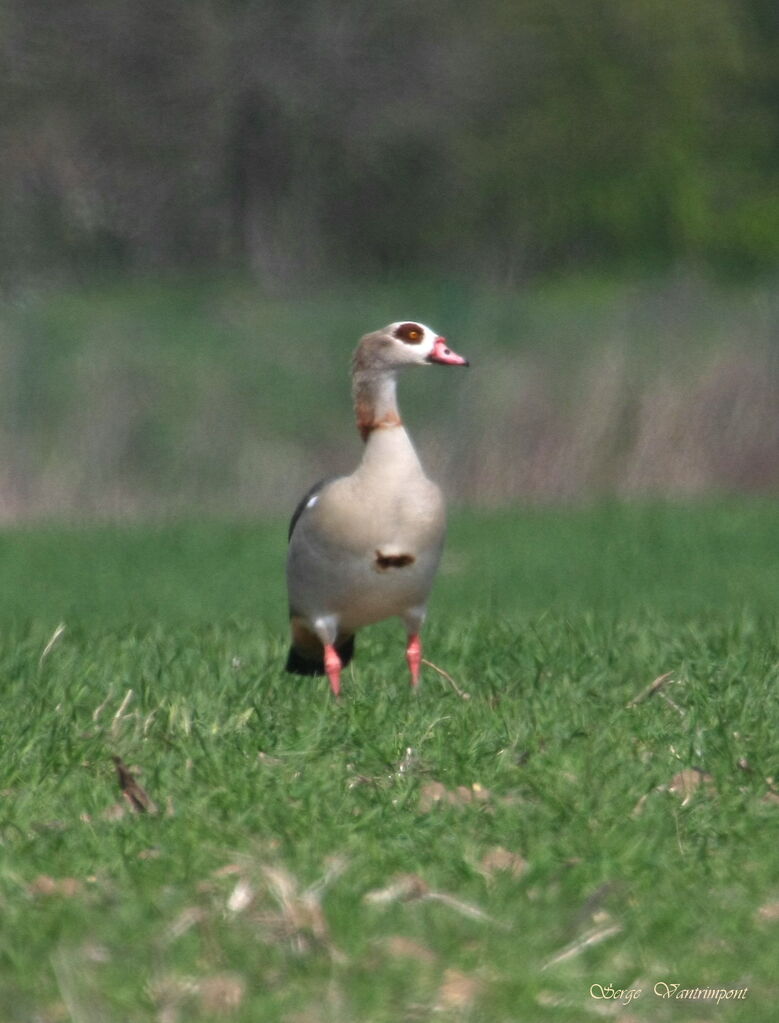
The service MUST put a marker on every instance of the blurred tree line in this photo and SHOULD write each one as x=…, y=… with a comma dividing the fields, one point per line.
x=304, y=140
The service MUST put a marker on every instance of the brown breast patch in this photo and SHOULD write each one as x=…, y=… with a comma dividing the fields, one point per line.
x=384, y=562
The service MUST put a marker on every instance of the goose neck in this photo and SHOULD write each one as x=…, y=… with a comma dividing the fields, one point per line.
x=375, y=401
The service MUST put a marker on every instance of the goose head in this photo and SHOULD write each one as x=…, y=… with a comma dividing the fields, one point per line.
x=405, y=343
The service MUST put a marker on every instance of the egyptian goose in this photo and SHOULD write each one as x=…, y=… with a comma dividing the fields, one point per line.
x=366, y=547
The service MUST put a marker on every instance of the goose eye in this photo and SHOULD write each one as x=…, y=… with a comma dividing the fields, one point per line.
x=409, y=332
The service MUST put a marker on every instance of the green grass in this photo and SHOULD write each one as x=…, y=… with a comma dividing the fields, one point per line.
x=552, y=621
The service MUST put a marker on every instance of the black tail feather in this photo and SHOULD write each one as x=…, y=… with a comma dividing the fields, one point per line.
x=299, y=663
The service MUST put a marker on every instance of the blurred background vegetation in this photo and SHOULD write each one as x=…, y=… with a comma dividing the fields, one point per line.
x=203, y=204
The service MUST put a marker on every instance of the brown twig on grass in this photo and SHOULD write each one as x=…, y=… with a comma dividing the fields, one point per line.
x=463, y=695
x=650, y=690
x=136, y=796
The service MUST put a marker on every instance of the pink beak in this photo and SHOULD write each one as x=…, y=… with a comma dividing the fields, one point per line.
x=443, y=353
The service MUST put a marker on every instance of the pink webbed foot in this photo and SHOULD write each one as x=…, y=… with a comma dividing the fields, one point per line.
x=414, y=657
x=333, y=668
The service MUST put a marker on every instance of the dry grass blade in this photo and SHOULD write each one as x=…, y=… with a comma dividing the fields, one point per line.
x=241, y=897
x=587, y=940
x=684, y=784
x=411, y=887
x=137, y=797
x=397, y=946
x=334, y=868
x=408, y=763
x=116, y=724
x=768, y=913
x=671, y=703
x=180, y=997
x=77, y=987
x=431, y=794
x=466, y=909
x=65, y=887
x=168, y=993
x=102, y=706
x=435, y=793
x=401, y=889
x=185, y=921
x=50, y=645
x=650, y=690
x=221, y=994
x=687, y=782
x=302, y=917
x=445, y=674
x=499, y=860
x=458, y=991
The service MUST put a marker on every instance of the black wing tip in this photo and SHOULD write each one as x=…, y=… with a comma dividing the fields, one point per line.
x=303, y=503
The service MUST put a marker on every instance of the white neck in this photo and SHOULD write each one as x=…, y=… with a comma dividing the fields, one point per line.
x=388, y=448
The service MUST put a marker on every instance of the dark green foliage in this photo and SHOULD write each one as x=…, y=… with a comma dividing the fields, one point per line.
x=503, y=139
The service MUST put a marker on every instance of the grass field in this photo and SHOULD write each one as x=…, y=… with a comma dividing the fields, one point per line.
x=395, y=857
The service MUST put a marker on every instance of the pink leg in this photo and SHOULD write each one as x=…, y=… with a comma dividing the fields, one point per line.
x=333, y=668
x=414, y=657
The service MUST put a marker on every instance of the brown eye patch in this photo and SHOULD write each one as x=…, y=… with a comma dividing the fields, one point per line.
x=411, y=333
